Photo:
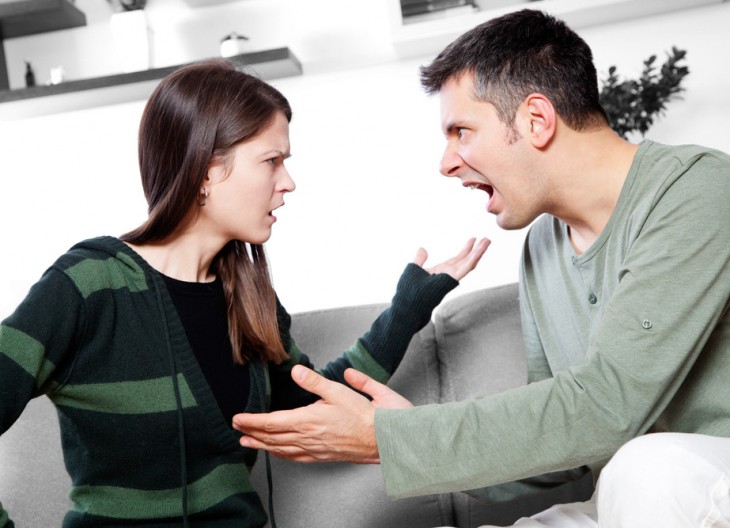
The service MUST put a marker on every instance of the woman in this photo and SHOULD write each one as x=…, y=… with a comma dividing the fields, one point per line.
x=149, y=343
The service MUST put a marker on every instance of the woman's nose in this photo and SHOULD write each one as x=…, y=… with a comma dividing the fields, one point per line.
x=287, y=183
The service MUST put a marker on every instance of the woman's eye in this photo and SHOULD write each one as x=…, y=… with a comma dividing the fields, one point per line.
x=460, y=132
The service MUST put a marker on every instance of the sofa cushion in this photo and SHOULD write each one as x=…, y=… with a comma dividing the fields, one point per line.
x=337, y=494
x=34, y=484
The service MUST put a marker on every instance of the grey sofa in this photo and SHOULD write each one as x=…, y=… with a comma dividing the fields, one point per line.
x=473, y=347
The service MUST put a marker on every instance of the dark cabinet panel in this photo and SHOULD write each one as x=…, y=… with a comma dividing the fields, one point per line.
x=19, y=18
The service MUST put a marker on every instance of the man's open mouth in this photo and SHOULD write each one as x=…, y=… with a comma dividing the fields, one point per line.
x=481, y=187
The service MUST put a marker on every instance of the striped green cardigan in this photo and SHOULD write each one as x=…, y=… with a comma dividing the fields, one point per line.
x=99, y=335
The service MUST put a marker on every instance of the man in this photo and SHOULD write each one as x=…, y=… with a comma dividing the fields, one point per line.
x=624, y=292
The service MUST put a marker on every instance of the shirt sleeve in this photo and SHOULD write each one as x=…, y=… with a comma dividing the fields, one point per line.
x=380, y=350
x=671, y=304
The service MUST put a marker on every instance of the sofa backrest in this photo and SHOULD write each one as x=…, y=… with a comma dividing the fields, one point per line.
x=479, y=344
x=34, y=484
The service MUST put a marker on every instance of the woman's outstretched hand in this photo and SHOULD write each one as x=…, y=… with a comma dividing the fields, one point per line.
x=461, y=264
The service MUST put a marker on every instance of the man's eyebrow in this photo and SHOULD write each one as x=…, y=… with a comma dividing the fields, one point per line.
x=452, y=125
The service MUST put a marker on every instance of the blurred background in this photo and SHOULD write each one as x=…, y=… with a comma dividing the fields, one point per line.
x=365, y=138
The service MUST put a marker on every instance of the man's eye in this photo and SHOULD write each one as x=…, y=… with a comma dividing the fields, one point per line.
x=460, y=132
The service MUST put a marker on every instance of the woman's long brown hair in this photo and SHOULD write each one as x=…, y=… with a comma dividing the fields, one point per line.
x=197, y=113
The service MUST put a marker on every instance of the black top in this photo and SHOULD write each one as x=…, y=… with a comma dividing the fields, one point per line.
x=202, y=310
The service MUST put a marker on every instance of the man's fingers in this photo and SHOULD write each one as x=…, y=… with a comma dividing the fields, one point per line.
x=312, y=382
x=382, y=395
x=249, y=422
x=286, y=452
x=276, y=422
x=293, y=441
x=364, y=383
x=297, y=454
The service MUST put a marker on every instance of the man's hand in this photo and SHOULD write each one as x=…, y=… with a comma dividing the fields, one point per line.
x=460, y=265
x=339, y=427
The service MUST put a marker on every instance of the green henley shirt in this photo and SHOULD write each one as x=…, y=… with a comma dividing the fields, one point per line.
x=631, y=337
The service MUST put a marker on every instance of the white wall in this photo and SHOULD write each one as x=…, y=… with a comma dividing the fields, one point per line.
x=366, y=145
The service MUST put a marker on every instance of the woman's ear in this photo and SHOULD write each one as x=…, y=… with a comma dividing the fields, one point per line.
x=541, y=119
x=217, y=171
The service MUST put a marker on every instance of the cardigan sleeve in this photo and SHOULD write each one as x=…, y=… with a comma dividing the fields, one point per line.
x=648, y=363
x=36, y=342
x=5, y=521
x=380, y=350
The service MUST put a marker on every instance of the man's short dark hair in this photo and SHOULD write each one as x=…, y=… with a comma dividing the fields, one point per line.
x=520, y=53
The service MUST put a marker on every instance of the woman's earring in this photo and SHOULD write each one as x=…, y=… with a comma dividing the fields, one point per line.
x=204, y=193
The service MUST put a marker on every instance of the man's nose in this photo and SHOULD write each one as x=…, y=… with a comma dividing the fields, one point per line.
x=451, y=163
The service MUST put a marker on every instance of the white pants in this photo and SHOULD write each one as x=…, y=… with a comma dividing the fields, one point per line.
x=663, y=480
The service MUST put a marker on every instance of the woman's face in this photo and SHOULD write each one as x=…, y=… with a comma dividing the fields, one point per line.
x=245, y=191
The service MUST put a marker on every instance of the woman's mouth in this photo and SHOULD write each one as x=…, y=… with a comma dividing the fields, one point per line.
x=271, y=213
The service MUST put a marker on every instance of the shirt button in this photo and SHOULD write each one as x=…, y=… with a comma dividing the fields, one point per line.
x=646, y=324
x=592, y=299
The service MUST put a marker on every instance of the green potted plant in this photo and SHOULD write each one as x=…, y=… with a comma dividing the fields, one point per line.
x=632, y=105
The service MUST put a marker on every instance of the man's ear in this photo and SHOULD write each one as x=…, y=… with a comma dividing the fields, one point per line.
x=541, y=119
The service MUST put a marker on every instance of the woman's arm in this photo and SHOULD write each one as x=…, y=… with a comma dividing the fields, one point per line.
x=380, y=350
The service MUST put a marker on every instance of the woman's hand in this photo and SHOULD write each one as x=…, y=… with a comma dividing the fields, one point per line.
x=460, y=265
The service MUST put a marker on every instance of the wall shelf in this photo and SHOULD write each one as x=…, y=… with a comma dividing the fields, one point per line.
x=431, y=36
x=20, y=18
x=126, y=87
x=207, y=3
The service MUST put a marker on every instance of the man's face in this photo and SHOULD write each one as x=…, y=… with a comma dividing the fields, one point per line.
x=485, y=154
